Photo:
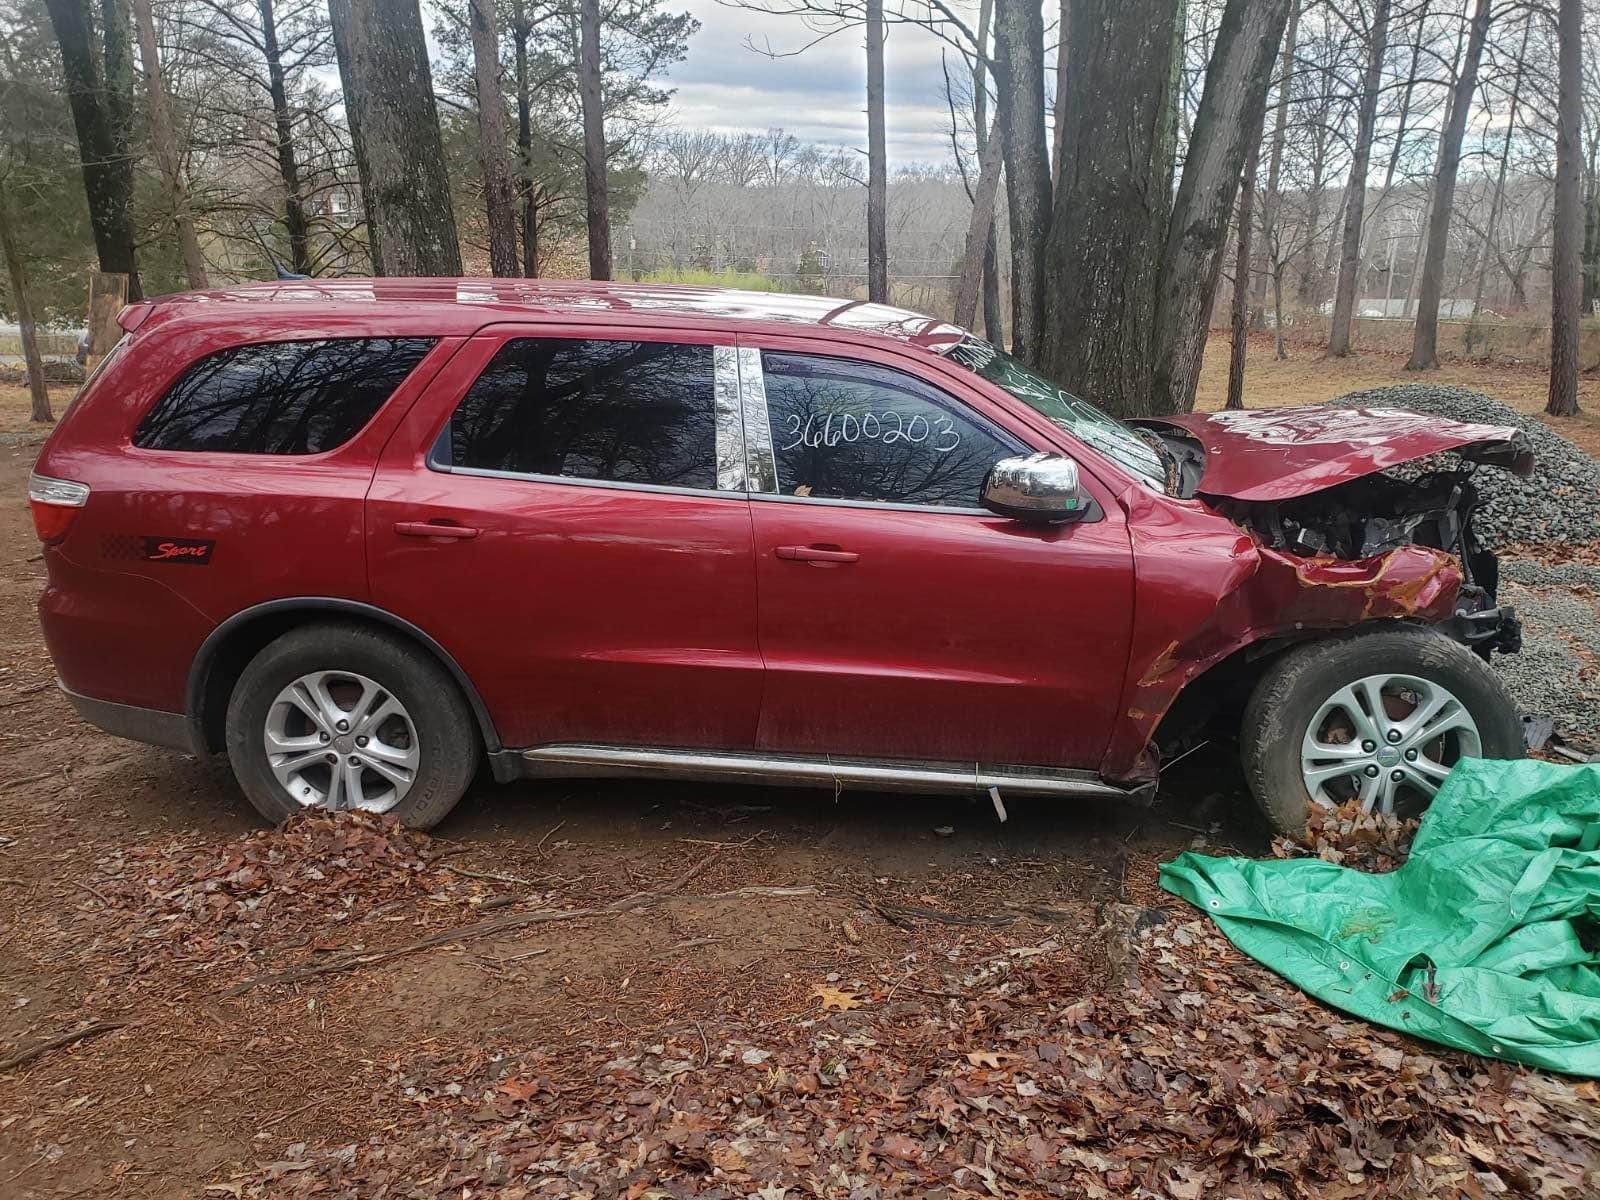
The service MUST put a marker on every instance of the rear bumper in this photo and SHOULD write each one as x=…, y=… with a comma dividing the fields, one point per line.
x=152, y=725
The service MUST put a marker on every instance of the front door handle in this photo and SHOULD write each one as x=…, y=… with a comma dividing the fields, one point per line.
x=817, y=554
x=429, y=529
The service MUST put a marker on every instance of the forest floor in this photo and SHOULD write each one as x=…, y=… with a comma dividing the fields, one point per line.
x=648, y=991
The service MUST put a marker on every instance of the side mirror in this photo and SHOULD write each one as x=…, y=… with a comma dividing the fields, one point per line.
x=1042, y=489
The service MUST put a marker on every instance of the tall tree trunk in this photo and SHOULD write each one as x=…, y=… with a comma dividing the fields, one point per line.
x=1308, y=291
x=1103, y=256
x=877, y=163
x=1019, y=73
x=597, y=201
x=388, y=95
x=337, y=15
x=993, y=325
x=1272, y=201
x=1425, y=335
x=1344, y=302
x=980, y=228
x=22, y=301
x=107, y=169
x=1567, y=235
x=497, y=196
x=294, y=207
x=165, y=141
x=1241, y=280
x=1226, y=126
x=521, y=30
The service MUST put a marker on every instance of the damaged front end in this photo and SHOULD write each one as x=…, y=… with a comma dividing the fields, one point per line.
x=1368, y=518
x=1320, y=484
x=1320, y=533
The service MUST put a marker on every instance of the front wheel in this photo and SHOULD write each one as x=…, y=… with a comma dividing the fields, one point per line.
x=336, y=716
x=1377, y=717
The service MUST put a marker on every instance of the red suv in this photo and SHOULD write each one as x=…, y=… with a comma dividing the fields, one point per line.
x=365, y=535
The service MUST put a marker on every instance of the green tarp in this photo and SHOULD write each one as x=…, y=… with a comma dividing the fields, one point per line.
x=1487, y=939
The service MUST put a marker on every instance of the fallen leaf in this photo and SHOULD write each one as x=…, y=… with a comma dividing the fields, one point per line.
x=835, y=998
x=728, y=1158
x=519, y=1089
x=990, y=1059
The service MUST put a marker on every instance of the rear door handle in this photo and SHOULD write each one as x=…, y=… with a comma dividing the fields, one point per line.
x=428, y=529
x=818, y=554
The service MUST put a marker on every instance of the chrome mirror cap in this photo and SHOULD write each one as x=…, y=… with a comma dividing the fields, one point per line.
x=1041, y=488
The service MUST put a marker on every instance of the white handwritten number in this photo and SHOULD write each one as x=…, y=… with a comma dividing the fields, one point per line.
x=886, y=427
x=794, y=428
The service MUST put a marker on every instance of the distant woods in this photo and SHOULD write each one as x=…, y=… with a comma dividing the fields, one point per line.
x=1120, y=176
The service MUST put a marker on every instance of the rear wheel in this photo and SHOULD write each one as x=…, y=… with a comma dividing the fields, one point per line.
x=344, y=716
x=1379, y=718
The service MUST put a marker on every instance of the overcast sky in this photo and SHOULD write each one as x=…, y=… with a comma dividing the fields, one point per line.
x=819, y=96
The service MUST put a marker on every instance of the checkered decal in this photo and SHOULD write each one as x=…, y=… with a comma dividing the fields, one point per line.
x=122, y=547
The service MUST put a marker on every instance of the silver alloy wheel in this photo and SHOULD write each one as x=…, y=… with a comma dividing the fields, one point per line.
x=335, y=740
x=1387, y=739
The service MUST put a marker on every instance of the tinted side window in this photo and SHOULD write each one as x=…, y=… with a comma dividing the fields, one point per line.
x=629, y=412
x=280, y=397
x=854, y=431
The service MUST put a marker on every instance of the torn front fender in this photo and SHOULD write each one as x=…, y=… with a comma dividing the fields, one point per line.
x=1206, y=589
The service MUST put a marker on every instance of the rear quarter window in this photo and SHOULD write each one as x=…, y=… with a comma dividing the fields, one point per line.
x=280, y=397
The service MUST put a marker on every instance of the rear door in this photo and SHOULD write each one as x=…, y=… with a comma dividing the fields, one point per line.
x=898, y=618
x=552, y=512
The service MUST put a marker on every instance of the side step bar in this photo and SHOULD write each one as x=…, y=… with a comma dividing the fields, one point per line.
x=794, y=770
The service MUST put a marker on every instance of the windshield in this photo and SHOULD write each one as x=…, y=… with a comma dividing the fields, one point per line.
x=1078, y=417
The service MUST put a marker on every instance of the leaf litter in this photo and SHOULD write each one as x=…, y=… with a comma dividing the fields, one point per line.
x=997, y=1055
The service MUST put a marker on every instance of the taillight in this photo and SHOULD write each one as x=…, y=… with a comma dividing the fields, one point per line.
x=54, y=503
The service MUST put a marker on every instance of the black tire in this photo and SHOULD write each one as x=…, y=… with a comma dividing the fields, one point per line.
x=1294, y=688
x=446, y=735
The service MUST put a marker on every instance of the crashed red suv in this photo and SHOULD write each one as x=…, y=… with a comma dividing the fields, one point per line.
x=365, y=535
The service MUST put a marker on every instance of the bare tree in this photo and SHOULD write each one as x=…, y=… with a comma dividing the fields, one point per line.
x=497, y=194
x=1132, y=268
x=1019, y=74
x=877, y=162
x=164, y=140
x=1227, y=123
x=1565, y=282
x=294, y=208
x=1240, y=332
x=1425, y=334
x=980, y=231
x=21, y=300
x=1491, y=231
x=99, y=116
x=597, y=200
x=388, y=93
x=1356, y=192
x=1272, y=202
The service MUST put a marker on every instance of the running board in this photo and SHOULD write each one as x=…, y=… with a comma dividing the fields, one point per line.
x=795, y=770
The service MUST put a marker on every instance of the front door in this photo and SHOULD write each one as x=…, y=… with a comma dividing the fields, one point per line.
x=551, y=513
x=898, y=618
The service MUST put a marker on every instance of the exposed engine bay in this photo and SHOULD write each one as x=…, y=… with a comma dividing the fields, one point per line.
x=1375, y=514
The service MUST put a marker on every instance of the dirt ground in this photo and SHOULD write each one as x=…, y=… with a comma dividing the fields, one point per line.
x=137, y=889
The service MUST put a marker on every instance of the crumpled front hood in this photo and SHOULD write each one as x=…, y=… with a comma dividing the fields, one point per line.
x=1277, y=454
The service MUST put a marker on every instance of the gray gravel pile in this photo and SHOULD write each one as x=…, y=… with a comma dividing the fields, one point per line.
x=1559, y=502
x=1555, y=675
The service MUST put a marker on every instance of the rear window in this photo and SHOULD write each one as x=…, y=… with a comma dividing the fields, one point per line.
x=280, y=397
